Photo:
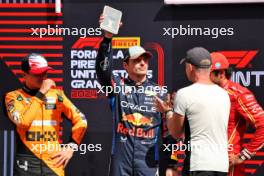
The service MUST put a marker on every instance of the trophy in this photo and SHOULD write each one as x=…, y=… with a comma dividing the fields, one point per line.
x=112, y=19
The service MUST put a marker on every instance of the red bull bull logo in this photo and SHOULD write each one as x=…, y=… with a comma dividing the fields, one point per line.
x=138, y=119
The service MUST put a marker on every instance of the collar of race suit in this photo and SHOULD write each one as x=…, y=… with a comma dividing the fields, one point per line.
x=29, y=91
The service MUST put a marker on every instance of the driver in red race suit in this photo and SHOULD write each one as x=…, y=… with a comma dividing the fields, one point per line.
x=245, y=110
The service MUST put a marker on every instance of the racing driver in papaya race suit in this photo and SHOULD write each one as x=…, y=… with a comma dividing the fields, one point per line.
x=36, y=110
x=245, y=110
x=135, y=119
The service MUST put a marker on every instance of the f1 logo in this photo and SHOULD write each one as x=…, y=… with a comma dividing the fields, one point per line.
x=240, y=58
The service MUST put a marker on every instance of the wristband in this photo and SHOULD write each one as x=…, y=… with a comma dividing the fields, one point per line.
x=40, y=95
x=246, y=153
x=173, y=167
x=242, y=157
x=168, y=111
x=107, y=40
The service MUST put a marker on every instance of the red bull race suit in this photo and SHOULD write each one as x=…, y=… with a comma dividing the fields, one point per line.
x=136, y=123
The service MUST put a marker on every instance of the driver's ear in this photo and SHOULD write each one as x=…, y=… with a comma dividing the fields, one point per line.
x=125, y=65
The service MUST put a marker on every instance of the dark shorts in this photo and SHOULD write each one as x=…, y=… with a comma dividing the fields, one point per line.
x=207, y=173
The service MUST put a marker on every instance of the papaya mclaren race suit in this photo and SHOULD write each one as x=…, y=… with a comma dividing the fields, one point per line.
x=37, y=118
x=135, y=119
x=244, y=110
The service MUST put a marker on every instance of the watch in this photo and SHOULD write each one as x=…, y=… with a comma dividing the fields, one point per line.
x=168, y=111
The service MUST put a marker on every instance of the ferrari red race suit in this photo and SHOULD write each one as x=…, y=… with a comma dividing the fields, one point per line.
x=245, y=110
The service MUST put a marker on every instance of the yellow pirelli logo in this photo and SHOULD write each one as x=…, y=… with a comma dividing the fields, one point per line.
x=125, y=42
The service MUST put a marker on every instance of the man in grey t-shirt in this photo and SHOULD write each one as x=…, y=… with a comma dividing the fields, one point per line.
x=203, y=110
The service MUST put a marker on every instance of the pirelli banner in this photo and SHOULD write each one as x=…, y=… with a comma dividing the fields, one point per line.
x=70, y=41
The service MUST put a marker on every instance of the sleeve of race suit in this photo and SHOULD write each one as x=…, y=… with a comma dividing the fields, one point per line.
x=104, y=62
x=249, y=108
x=22, y=114
x=168, y=140
x=78, y=120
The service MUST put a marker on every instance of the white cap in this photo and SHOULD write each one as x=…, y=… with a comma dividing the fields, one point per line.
x=136, y=51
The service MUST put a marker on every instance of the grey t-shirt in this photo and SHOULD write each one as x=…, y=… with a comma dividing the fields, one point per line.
x=207, y=109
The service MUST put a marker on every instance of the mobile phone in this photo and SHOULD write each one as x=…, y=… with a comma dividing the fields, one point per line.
x=112, y=19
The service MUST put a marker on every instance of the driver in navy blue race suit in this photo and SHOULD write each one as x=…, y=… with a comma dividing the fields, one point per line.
x=136, y=123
